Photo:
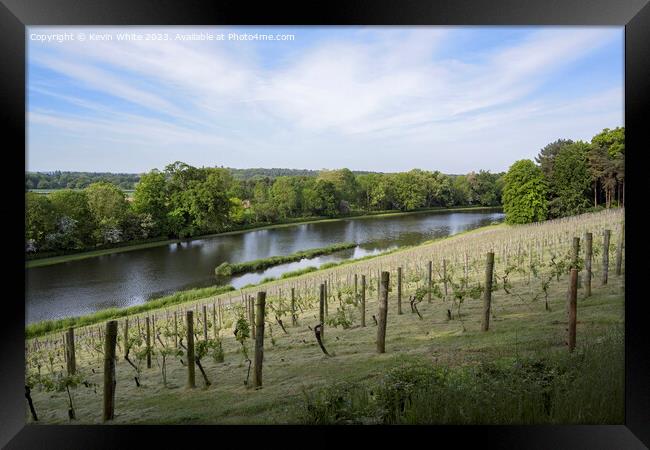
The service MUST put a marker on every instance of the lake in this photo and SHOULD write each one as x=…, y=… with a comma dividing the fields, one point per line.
x=123, y=279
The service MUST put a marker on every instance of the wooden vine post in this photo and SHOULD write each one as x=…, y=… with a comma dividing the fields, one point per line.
x=444, y=275
x=382, y=313
x=294, y=322
x=589, y=238
x=191, y=380
x=429, y=272
x=575, y=255
x=363, y=300
x=109, y=370
x=619, y=250
x=175, y=330
x=70, y=358
x=126, y=335
x=148, y=331
x=487, y=295
x=399, y=290
x=323, y=302
x=326, y=300
x=205, y=323
x=606, y=236
x=215, y=329
x=259, y=339
x=572, y=309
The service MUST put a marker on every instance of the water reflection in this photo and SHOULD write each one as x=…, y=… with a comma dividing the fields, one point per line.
x=124, y=279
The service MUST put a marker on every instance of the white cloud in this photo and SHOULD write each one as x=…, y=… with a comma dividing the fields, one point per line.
x=378, y=90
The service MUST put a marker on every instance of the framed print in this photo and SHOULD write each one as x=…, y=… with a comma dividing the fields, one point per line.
x=276, y=218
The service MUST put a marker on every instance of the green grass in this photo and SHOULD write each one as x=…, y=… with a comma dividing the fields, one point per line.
x=586, y=387
x=518, y=372
x=226, y=269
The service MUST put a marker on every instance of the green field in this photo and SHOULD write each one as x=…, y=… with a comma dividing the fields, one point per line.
x=438, y=369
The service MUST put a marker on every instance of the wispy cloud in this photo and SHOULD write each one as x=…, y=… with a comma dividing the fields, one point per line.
x=324, y=102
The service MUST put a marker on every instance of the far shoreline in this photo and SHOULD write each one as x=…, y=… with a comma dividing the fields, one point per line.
x=48, y=261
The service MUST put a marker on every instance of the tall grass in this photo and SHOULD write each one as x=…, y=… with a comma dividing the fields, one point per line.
x=586, y=387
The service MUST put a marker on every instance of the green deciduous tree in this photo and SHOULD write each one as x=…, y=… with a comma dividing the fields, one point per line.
x=524, y=193
x=151, y=197
x=570, y=181
x=74, y=205
x=40, y=218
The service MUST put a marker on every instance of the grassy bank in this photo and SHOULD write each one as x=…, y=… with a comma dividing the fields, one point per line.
x=49, y=326
x=47, y=261
x=547, y=388
x=227, y=269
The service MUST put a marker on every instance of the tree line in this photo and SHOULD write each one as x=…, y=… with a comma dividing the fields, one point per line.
x=567, y=178
x=78, y=180
x=183, y=201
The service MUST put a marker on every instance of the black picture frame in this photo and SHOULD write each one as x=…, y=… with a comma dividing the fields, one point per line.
x=15, y=15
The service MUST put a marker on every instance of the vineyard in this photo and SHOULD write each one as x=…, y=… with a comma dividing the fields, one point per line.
x=255, y=355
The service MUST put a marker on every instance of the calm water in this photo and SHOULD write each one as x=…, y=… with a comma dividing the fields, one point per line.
x=124, y=279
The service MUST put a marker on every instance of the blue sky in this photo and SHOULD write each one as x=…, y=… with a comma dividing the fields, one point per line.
x=453, y=99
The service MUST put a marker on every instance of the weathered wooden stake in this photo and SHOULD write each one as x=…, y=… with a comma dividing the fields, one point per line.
x=444, y=275
x=153, y=327
x=487, y=295
x=363, y=300
x=326, y=304
x=109, y=370
x=429, y=280
x=619, y=250
x=466, y=270
x=71, y=360
x=293, y=307
x=399, y=290
x=323, y=302
x=383, y=313
x=575, y=256
x=148, y=331
x=259, y=339
x=205, y=323
x=126, y=335
x=215, y=329
x=191, y=380
x=606, y=236
x=588, y=257
x=175, y=330
x=572, y=308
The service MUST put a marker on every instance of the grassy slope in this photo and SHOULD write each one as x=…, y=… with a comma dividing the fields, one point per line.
x=41, y=262
x=296, y=362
